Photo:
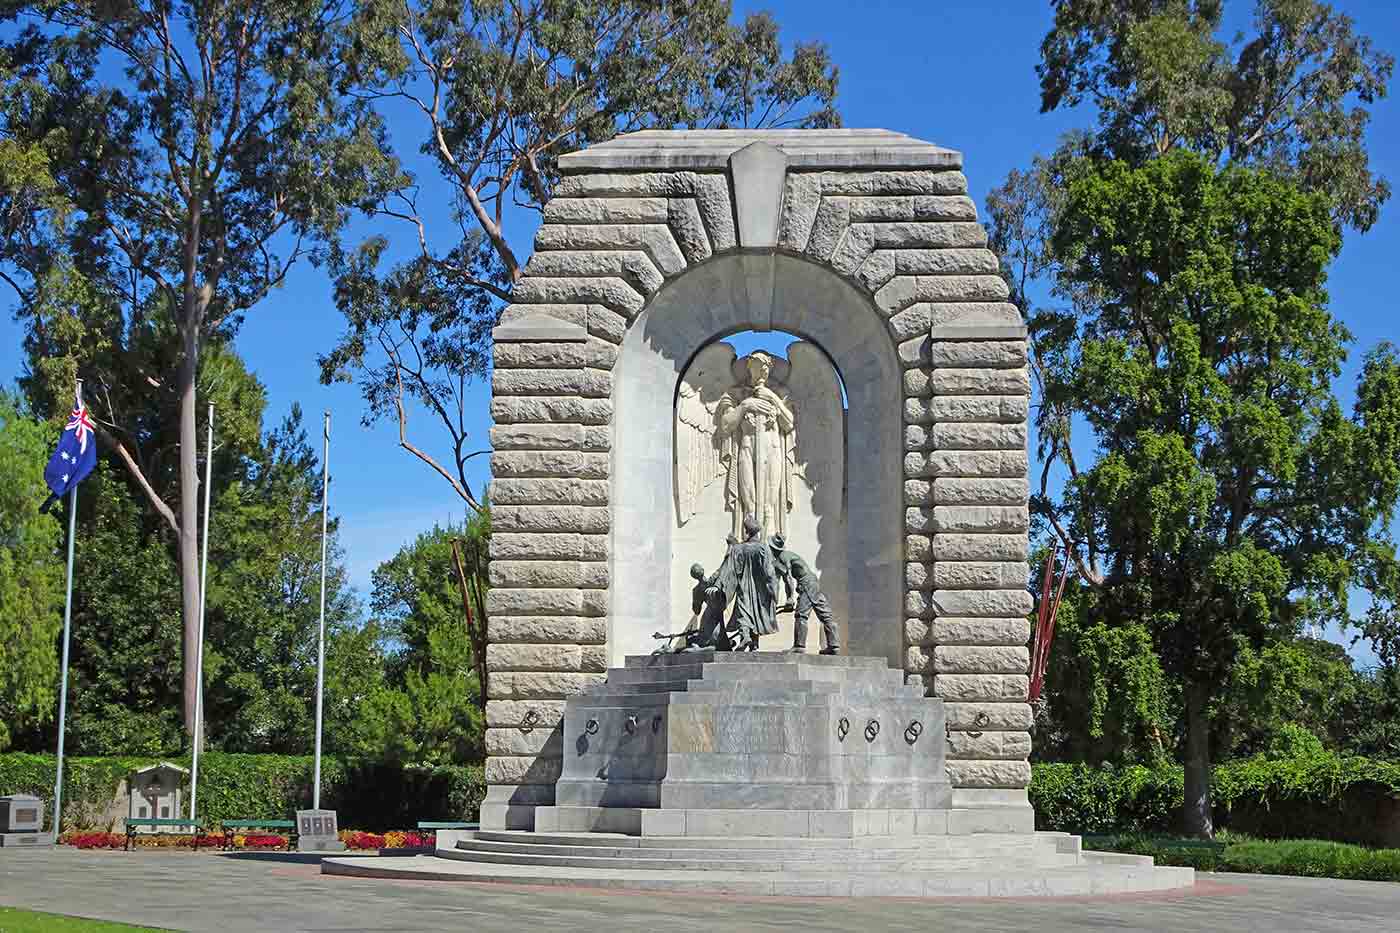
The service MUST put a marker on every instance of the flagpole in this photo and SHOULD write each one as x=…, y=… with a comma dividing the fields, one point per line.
x=199, y=653
x=321, y=635
x=63, y=688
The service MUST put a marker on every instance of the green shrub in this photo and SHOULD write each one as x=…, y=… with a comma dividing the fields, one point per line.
x=233, y=786
x=1315, y=859
x=1316, y=795
x=1185, y=853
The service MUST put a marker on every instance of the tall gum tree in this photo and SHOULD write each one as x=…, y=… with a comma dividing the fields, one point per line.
x=1171, y=261
x=185, y=157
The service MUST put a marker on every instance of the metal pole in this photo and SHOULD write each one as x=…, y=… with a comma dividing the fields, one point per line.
x=63, y=687
x=321, y=635
x=203, y=590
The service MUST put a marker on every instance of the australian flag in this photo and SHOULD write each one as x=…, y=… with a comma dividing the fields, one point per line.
x=75, y=457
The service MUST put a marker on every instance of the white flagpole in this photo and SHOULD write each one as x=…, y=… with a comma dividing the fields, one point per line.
x=321, y=636
x=203, y=590
x=67, y=630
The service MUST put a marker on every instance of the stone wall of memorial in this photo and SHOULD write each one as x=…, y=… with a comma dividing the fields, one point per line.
x=910, y=242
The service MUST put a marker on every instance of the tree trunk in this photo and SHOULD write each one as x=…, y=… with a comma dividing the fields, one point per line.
x=1196, y=808
x=189, y=528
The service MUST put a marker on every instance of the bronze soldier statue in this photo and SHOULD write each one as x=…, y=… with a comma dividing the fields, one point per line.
x=799, y=577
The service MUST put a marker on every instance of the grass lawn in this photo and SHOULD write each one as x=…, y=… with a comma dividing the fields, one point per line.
x=13, y=920
x=1313, y=858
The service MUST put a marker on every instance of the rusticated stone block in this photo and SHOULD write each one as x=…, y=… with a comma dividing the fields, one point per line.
x=905, y=290
x=980, y=381
x=979, y=354
x=918, y=547
x=877, y=269
x=548, y=630
x=545, y=602
x=717, y=209
x=511, y=491
x=532, y=657
x=989, y=717
x=989, y=773
x=980, y=575
x=506, y=546
x=974, y=519
x=917, y=660
x=971, y=463
x=653, y=239
x=913, y=353
x=540, y=355
x=918, y=437
x=610, y=291
x=944, y=261
x=1013, y=746
x=521, y=770
x=552, y=518
x=633, y=266
x=917, y=492
x=918, y=604
x=957, y=436
x=852, y=251
x=991, y=409
x=915, y=386
x=910, y=322
x=958, y=547
x=549, y=463
x=544, y=685
x=602, y=323
x=683, y=214
x=586, y=383
x=913, y=207
x=587, y=575
x=510, y=713
x=514, y=742
x=544, y=410
x=833, y=217
x=605, y=211
x=918, y=576
x=873, y=184
x=982, y=688
x=625, y=185
x=954, y=630
x=917, y=631
x=537, y=437
x=802, y=197
x=920, y=235
x=974, y=490
x=594, y=658
x=981, y=659
x=918, y=520
x=990, y=603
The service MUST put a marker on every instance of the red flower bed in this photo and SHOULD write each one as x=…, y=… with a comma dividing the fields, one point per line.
x=267, y=841
x=91, y=840
x=394, y=839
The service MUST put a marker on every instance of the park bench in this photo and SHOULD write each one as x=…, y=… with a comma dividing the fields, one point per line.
x=133, y=822
x=231, y=828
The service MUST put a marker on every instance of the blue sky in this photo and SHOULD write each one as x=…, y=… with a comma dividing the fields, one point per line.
x=960, y=74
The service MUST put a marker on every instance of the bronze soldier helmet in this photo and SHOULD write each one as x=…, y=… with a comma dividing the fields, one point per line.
x=777, y=542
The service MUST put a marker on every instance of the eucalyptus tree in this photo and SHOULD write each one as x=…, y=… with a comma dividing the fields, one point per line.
x=498, y=89
x=1172, y=263
x=181, y=158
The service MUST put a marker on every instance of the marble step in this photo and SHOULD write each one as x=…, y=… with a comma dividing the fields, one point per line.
x=680, y=850
x=722, y=860
x=978, y=843
x=1089, y=878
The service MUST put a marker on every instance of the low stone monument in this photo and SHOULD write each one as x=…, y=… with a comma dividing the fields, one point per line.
x=317, y=831
x=22, y=823
x=156, y=792
x=888, y=450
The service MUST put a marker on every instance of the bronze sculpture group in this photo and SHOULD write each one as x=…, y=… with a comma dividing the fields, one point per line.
x=749, y=577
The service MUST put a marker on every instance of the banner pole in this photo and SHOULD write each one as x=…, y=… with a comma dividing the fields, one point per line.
x=199, y=654
x=321, y=633
x=63, y=683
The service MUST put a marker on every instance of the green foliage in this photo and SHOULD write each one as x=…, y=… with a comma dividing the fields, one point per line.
x=430, y=708
x=1164, y=850
x=14, y=920
x=1307, y=857
x=502, y=91
x=1321, y=794
x=31, y=576
x=234, y=786
x=1291, y=96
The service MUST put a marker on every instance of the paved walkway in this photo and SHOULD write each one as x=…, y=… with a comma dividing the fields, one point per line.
x=228, y=893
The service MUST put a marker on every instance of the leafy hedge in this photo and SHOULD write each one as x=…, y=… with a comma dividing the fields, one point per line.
x=1309, y=857
x=1324, y=796
x=232, y=786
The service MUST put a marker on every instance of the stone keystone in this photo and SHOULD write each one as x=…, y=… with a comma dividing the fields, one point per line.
x=757, y=171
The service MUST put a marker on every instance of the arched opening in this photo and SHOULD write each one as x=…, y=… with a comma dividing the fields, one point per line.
x=862, y=537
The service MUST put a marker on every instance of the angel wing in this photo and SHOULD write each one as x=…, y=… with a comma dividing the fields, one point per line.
x=698, y=448
x=814, y=393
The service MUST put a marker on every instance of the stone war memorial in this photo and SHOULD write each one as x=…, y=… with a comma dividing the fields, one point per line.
x=759, y=621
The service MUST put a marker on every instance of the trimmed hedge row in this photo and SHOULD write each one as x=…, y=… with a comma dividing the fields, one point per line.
x=372, y=795
x=1318, y=796
x=1308, y=857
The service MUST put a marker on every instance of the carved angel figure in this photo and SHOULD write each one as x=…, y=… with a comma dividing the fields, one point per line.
x=762, y=424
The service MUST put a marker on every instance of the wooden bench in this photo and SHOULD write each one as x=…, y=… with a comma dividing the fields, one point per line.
x=231, y=828
x=133, y=822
